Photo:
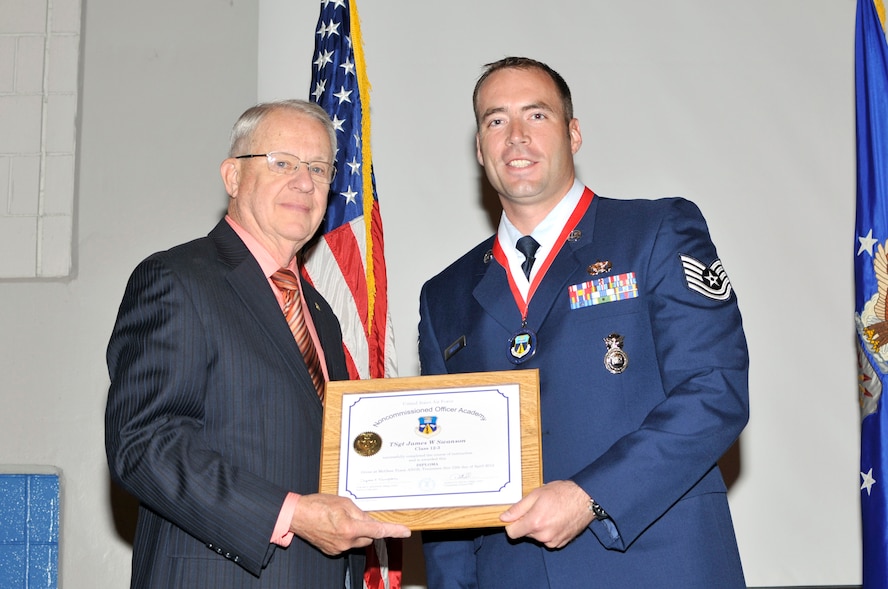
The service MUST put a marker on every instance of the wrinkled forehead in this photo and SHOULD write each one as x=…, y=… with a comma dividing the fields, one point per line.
x=293, y=132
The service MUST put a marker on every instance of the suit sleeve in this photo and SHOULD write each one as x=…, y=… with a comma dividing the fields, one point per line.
x=158, y=361
x=703, y=363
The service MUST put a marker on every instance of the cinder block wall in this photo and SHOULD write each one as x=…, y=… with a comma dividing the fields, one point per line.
x=39, y=57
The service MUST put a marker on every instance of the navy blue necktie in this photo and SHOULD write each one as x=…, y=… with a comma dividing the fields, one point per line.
x=528, y=246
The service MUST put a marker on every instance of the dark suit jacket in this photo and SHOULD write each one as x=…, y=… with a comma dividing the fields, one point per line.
x=643, y=443
x=212, y=418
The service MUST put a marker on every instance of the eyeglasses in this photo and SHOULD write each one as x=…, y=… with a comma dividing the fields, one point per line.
x=286, y=163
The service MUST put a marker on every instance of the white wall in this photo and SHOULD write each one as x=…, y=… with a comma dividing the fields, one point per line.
x=744, y=107
x=161, y=84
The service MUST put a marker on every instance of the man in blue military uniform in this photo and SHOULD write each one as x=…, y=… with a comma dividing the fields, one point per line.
x=626, y=311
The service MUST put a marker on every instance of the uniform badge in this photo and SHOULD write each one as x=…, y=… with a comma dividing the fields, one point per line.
x=711, y=282
x=575, y=235
x=615, y=359
x=455, y=347
x=487, y=256
x=599, y=267
x=522, y=346
x=606, y=289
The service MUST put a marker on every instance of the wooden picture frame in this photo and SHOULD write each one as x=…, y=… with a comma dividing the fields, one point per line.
x=448, y=517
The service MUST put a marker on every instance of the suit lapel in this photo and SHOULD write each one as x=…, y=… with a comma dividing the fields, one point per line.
x=494, y=294
x=328, y=333
x=573, y=257
x=251, y=286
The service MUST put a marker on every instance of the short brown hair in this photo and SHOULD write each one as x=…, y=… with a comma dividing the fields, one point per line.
x=525, y=63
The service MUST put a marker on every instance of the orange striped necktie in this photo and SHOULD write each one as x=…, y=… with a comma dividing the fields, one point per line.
x=288, y=284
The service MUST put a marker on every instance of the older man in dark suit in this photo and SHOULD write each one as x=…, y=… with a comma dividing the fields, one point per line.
x=218, y=361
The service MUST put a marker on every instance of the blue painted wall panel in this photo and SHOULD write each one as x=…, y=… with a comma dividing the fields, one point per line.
x=29, y=531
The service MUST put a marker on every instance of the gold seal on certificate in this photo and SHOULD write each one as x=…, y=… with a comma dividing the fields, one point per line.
x=367, y=443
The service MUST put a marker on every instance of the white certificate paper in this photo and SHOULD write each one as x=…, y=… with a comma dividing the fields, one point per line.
x=453, y=447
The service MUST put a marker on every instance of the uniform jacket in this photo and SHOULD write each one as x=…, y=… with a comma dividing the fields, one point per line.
x=643, y=443
x=212, y=418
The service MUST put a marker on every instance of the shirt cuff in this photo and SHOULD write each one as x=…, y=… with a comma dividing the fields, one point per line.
x=282, y=536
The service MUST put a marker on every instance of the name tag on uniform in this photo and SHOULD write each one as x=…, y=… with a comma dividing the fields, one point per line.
x=603, y=290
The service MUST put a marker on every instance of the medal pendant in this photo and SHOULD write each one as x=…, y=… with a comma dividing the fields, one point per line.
x=522, y=346
x=615, y=360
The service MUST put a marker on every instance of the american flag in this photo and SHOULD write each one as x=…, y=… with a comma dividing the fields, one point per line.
x=347, y=265
x=871, y=284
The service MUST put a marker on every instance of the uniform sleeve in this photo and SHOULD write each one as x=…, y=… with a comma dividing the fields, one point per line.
x=703, y=363
x=449, y=555
x=430, y=359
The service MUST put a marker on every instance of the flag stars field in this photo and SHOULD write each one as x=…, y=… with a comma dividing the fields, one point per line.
x=867, y=243
x=349, y=195
x=868, y=481
x=323, y=59
x=343, y=95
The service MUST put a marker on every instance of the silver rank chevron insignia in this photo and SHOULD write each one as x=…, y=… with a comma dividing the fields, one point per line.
x=711, y=282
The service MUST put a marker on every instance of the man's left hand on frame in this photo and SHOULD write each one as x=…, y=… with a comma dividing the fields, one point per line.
x=553, y=514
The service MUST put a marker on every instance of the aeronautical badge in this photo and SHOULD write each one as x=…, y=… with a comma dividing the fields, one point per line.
x=428, y=425
x=711, y=282
x=599, y=267
x=615, y=359
x=367, y=443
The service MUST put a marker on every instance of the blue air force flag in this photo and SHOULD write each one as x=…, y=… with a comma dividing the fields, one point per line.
x=871, y=283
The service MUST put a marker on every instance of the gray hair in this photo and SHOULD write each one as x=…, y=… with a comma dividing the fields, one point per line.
x=245, y=127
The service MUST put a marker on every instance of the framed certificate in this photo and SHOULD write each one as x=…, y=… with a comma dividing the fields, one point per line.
x=433, y=452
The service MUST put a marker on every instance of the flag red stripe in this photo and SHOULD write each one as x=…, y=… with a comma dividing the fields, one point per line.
x=347, y=253
x=353, y=373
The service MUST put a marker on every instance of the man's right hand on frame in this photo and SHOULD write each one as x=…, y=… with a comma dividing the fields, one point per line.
x=335, y=524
